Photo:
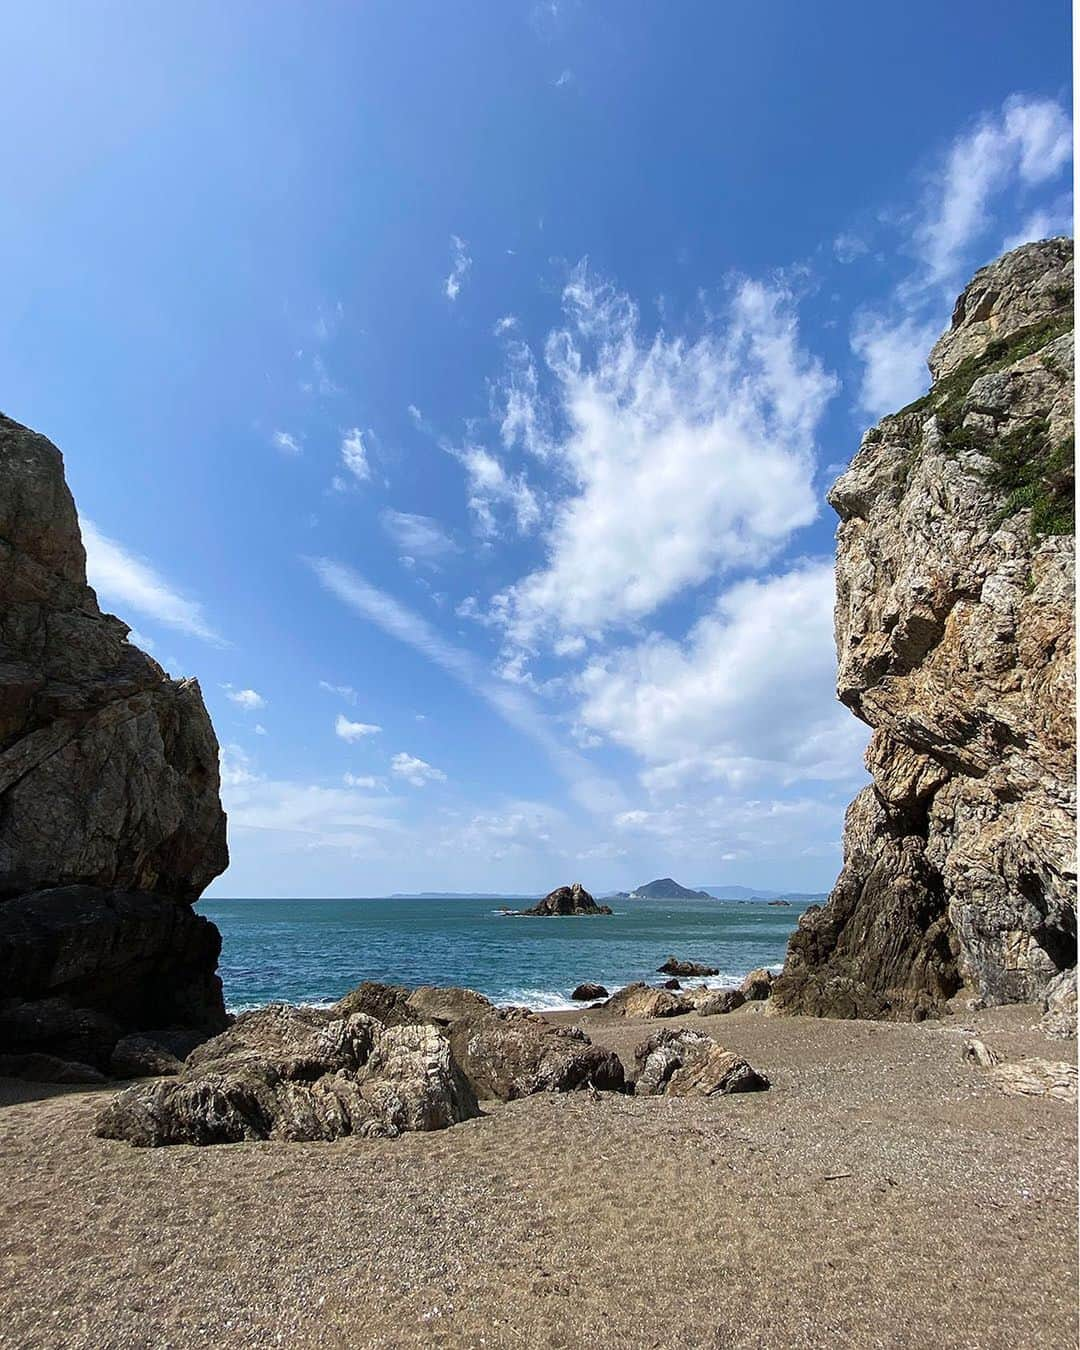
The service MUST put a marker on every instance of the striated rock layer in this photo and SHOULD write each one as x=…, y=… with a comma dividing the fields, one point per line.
x=955, y=641
x=110, y=819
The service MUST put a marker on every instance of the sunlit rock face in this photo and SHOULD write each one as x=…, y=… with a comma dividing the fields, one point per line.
x=955, y=643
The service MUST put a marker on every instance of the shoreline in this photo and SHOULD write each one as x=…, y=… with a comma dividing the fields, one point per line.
x=866, y=1199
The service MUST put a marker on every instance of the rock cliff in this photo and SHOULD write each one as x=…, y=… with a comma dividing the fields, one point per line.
x=110, y=819
x=955, y=642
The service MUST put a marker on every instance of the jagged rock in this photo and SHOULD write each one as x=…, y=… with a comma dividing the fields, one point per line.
x=588, y=993
x=671, y=984
x=1059, y=1007
x=387, y=1003
x=717, y=1073
x=685, y=1063
x=642, y=1000
x=108, y=780
x=447, y=1006
x=566, y=900
x=657, y=1057
x=508, y=1053
x=757, y=985
x=142, y=1057
x=282, y=1072
x=978, y=1052
x=721, y=1001
x=954, y=629
x=673, y=966
x=38, y=1068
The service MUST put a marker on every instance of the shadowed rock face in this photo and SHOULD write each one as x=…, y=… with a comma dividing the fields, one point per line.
x=955, y=642
x=110, y=819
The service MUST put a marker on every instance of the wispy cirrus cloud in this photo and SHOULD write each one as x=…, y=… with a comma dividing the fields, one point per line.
x=131, y=584
x=977, y=199
x=516, y=707
x=459, y=268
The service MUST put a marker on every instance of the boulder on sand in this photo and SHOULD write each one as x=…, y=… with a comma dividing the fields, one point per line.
x=642, y=1000
x=757, y=984
x=720, y=1001
x=588, y=993
x=566, y=900
x=673, y=966
x=679, y=1062
x=282, y=1072
x=508, y=1053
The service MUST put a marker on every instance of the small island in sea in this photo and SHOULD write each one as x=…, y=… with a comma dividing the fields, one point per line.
x=666, y=889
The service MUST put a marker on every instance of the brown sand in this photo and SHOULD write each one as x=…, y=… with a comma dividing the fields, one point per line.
x=882, y=1194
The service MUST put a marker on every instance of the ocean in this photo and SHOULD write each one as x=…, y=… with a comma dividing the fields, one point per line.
x=313, y=951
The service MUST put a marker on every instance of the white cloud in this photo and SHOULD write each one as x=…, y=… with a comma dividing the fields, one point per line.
x=286, y=443
x=893, y=353
x=305, y=814
x=260, y=730
x=847, y=247
x=418, y=772
x=353, y=731
x=345, y=691
x=563, y=79
x=1029, y=142
x=353, y=454
x=506, y=324
x=458, y=268
x=513, y=705
x=132, y=584
x=419, y=536
x=140, y=640
x=982, y=177
x=688, y=456
x=748, y=695
x=354, y=780
x=490, y=485
x=1046, y=223
x=247, y=699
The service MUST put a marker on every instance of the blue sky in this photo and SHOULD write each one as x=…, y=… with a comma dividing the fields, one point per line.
x=453, y=389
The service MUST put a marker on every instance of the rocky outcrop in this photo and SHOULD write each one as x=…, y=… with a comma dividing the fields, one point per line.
x=642, y=1000
x=588, y=993
x=298, y=1074
x=1053, y=1079
x=110, y=820
x=720, y=1001
x=757, y=985
x=683, y=1063
x=955, y=640
x=673, y=966
x=509, y=1053
x=566, y=900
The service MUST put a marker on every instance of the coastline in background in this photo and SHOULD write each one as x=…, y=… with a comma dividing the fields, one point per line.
x=314, y=951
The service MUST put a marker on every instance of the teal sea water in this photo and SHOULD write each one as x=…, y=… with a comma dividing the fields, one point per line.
x=313, y=951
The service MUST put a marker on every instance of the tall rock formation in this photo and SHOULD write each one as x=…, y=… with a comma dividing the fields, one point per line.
x=955, y=641
x=110, y=819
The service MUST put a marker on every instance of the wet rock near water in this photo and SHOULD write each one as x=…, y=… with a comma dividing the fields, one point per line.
x=589, y=993
x=565, y=901
x=642, y=1000
x=757, y=985
x=673, y=966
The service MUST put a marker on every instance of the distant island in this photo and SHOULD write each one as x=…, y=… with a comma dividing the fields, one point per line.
x=666, y=889
x=563, y=901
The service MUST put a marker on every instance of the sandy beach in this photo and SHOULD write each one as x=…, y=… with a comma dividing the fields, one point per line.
x=882, y=1193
